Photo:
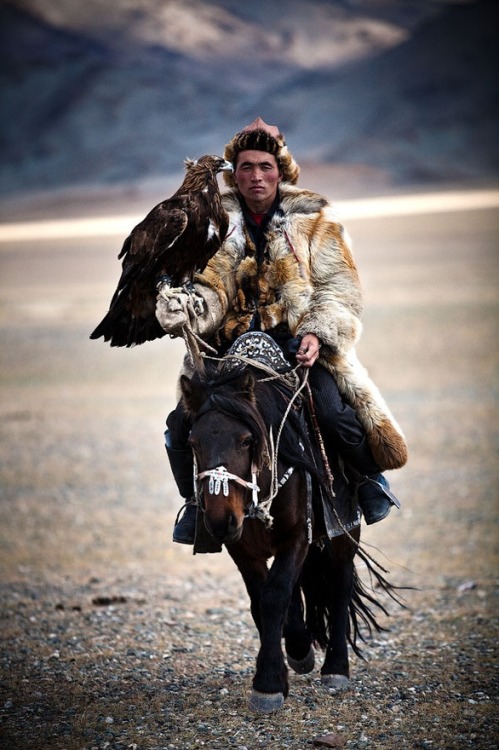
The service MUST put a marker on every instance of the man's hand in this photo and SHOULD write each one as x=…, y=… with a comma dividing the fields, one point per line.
x=308, y=350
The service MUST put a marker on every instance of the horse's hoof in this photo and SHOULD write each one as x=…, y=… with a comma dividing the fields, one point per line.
x=302, y=666
x=265, y=703
x=335, y=681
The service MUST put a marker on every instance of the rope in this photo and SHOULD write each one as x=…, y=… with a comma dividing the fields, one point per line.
x=274, y=483
x=192, y=344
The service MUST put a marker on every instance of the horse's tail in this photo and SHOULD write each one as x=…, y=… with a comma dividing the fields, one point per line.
x=330, y=585
x=365, y=605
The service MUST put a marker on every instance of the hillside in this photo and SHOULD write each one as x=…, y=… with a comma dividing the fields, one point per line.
x=428, y=108
x=98, y=93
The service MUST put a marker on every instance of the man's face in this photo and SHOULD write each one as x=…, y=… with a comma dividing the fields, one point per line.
x=257, y=177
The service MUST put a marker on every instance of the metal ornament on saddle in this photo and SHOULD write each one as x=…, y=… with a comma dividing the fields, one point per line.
x=258, y=347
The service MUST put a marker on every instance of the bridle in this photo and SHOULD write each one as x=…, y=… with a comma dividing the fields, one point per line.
x=219, y=480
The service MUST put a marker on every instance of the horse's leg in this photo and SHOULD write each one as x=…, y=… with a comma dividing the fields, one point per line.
x=299, y=650
x=270, y=683
x=270, y=594
x=335, y=670
x=254, y=572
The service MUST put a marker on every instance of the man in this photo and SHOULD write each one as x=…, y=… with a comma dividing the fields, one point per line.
x=286, y=268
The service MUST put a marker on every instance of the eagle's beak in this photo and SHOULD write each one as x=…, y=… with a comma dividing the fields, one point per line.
x=226, y=167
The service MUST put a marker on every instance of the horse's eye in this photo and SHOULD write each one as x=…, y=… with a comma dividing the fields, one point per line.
x=247, y=442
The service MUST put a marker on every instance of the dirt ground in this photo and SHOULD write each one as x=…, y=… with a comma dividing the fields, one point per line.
x=113, y=637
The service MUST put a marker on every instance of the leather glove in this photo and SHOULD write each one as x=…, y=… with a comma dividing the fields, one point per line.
x=171, y=314
x=176, y=307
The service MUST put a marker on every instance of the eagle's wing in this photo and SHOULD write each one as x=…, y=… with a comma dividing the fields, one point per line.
x=131, y=318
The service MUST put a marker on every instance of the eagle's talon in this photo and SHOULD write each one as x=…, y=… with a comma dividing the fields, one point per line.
x=176, y=293
x=163, y=281
x=196, y=302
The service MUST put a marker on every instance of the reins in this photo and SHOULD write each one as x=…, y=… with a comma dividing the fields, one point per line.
x=275, y=484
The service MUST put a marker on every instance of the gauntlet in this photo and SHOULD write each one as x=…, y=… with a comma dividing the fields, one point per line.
x=175, y=307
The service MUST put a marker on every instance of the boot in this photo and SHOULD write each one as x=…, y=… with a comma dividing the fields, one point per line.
x=373, y=491
x=375, y=498
x=184, y=531
x=181, y=463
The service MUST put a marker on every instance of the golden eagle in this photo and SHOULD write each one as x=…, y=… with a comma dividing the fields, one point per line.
x=176, y=239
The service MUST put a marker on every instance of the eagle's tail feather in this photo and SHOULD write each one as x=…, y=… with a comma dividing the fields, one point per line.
x=122, y=330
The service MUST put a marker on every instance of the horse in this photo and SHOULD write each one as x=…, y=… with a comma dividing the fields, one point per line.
x=258, y=484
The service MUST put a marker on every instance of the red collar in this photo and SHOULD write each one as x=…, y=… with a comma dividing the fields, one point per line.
x=257, y=218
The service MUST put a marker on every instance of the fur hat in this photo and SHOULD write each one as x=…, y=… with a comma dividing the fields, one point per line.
x=258, y=136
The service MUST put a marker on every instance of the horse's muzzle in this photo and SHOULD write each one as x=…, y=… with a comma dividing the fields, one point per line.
x=225, y=530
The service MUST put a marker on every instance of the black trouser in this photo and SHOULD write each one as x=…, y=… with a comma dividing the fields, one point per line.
x=179, y=451
x=338, y=423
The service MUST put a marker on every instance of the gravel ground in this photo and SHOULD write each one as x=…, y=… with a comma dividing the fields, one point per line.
x=114, y=638
x=158, y=663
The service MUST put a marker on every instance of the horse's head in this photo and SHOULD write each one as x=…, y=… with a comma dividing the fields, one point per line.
x=229, y=440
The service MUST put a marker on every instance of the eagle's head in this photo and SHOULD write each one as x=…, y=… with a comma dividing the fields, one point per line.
x=208, y=163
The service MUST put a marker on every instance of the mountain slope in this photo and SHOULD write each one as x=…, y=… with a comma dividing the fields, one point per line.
x=428, y=108
x=116, y=93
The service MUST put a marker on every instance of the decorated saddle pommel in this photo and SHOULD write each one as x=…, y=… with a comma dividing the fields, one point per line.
x=255, y=346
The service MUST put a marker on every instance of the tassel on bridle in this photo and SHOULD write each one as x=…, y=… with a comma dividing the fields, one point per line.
x=219, y=480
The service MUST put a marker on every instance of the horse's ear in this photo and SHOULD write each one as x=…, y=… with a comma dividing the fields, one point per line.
x=193, y=394
x=247, y=386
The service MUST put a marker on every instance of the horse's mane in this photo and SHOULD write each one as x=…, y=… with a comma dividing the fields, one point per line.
x=248, y=395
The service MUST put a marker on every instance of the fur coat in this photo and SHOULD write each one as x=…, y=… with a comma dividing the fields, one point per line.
x=307, y=283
